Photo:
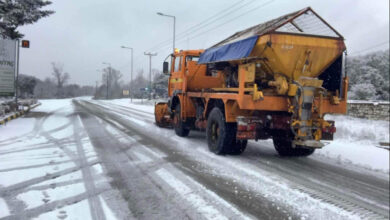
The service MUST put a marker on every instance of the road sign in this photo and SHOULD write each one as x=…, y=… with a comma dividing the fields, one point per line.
x=125, y=92
x=25, y=44
x=7, y=66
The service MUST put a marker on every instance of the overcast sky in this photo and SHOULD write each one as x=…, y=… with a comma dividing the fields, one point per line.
x=83, y=34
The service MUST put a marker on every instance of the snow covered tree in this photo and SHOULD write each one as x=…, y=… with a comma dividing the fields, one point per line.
x=362, y=91
x=15, y=13
x=45, y=89
x=26, y=85
x=160, y=84
x=373, y=70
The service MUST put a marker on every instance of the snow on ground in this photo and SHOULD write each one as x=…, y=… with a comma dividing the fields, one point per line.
x=40, y=159
x=355, y=141
x=141, y=104
x=77, y=211
x=4, y=208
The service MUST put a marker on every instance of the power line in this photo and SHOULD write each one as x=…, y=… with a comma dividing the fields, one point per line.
x=217, y=26
x=230, y=20
x=371, y=47
x=228, y=13
x=224, y=11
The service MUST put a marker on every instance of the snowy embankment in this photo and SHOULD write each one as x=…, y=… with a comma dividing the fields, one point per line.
x=355, y=143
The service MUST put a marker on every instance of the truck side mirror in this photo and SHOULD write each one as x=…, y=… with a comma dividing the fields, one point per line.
x=166, y=67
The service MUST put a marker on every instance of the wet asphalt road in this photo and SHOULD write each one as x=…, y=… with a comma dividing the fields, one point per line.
x=239, y=187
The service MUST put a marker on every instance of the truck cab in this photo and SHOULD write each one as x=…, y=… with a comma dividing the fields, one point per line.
x=186, y=75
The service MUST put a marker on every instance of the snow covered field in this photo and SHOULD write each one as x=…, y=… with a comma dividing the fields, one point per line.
x=84, y=160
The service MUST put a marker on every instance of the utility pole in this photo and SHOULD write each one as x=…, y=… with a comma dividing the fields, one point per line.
x=131, y=73
x=24, y=44
x=17, y=74
x=150, y=71
x=97, y=82
x=96, y=89
x=109, y=74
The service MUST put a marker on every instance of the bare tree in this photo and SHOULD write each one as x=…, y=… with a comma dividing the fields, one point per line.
x=60, y=78
x=112, y=77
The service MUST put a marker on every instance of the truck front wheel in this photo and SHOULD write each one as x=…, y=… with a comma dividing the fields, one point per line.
x=283, y=145
x=180, y=127
x=220, y=135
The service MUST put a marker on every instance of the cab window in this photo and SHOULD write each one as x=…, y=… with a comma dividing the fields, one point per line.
x=177, y=64
x=191, y=58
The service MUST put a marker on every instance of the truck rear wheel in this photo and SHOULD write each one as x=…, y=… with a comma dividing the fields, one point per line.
x=283, y=145
x=180, y=126
x=220, y=135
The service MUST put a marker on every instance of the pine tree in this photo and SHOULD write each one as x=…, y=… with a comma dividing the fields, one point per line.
x=15, y=13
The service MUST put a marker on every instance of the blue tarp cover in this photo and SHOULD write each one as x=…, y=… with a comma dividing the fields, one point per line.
x=233, y=51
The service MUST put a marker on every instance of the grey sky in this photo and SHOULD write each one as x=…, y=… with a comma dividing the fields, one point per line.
x=83, y=34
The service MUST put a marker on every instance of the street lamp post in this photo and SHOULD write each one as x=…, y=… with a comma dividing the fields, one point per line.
x=150, y=71
x=174, y=27
x=97, y=82
x=109, y=74
x=131, y=73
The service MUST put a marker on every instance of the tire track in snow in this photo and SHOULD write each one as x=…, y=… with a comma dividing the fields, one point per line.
x=199, y=197
x=124, y=112
x=123, y=107
x=36, y=180
x=36, y=211
x=197, y=202
x=95, y=206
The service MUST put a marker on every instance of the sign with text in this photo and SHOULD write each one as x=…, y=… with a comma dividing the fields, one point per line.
x=126, y=92
x=7, y=67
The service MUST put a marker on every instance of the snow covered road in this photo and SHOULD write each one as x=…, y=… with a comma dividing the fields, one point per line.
x=107, y=160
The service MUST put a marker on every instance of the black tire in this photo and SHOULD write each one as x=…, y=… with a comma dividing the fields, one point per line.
x=220, y=135
x=283, y=145
x=239, y=147
x=179, y=126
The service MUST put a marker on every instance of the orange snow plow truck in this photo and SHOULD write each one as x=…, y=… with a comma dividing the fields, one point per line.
x=274, y=80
